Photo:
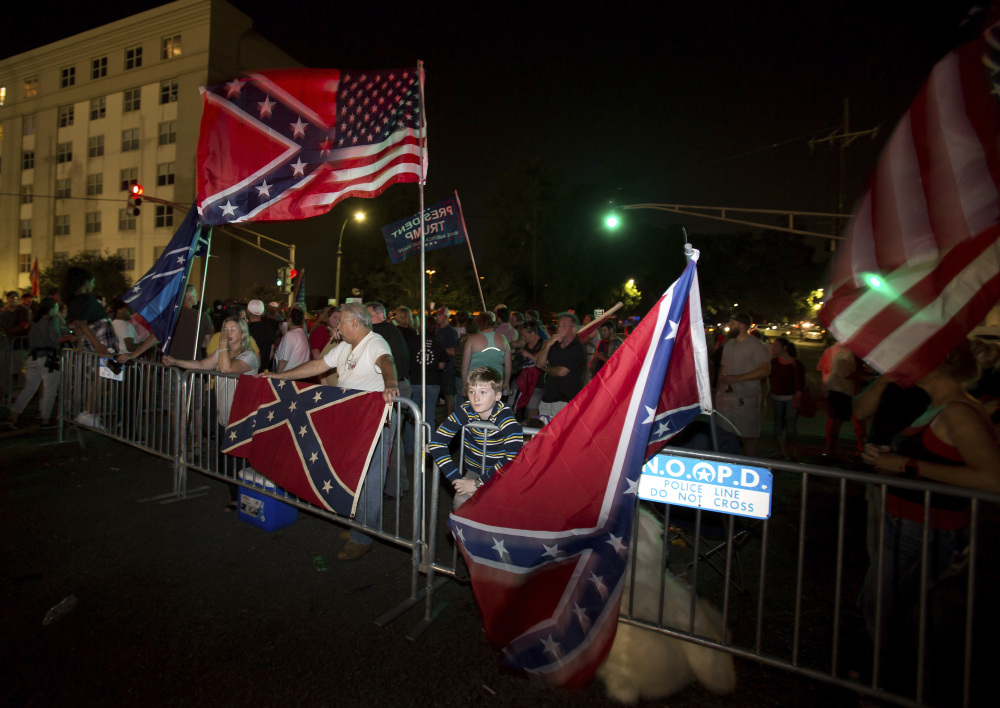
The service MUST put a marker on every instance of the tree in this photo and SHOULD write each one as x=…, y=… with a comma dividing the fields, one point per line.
x=110, y=278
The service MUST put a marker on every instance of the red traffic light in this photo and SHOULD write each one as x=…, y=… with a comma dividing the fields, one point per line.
x=136, y=189
x=292, y=273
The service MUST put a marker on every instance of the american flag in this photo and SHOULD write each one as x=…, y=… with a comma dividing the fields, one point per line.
x=547, y=537
x=290, y=144
x=921, y=266
x=294, y=434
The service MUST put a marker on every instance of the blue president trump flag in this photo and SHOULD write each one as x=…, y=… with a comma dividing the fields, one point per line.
x=443, y=225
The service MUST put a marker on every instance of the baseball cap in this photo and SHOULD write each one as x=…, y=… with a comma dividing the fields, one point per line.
x=272, y=304
x=255, y=307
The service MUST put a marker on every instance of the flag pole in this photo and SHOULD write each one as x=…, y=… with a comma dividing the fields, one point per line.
x=204, y=278
x=468, y=241
x=422, y=324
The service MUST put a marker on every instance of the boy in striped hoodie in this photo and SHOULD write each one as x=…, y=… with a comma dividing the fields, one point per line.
x=483, y=405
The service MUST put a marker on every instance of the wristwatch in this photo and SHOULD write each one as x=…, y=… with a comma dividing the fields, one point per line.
x=478, y=483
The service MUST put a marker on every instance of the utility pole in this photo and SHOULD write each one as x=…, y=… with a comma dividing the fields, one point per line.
x=843, y=137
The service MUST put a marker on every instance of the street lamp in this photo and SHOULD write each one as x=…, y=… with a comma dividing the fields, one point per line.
x=430, y=275
x=358, y=216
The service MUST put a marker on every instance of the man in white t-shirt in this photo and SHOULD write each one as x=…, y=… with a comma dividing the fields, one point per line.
x=294, y=347
x=363, y=362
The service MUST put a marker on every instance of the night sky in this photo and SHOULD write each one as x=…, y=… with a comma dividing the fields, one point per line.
x=691, y=102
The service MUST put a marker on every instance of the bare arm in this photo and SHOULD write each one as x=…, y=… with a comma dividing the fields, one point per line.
x=209, y=363
x=314, y=367
x=387, y=366
x=151, y=341
x=866, y=403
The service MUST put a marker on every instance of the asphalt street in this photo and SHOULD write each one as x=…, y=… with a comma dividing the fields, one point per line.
x=181, y=604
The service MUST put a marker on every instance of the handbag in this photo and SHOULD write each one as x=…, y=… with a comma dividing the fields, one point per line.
x=807, y=404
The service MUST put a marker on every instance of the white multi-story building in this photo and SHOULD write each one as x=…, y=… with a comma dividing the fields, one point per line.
x=84, y=118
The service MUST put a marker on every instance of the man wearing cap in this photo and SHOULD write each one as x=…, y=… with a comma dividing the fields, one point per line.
x=263, y=330
x=745, y=362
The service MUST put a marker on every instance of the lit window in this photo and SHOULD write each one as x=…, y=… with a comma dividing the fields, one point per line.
x=28, y=160
x=25, y=228
x=64, y=188
x=60, y=226
x=98, y=108
x=64, y=152
x=128, y=177
x=95, y=185
x=24, y=263
x=3, y=95
x=127, y=255
x=164, y=215
x=170, y=47
x=165, y=174
x=93, y=222
x=132, y=100
x=67, y=77
x=27, y=193
x=126, y=222
x=167, y=132
x=133, y=57
x=65, y=116
x=95, y=146
x=168, y=91
x=130, y=139
x=99, y=67
x=30, y=87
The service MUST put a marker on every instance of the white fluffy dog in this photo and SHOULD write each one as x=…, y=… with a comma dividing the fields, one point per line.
x=646, y=664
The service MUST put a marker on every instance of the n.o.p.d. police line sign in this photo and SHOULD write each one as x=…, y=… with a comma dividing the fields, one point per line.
x=702, y=484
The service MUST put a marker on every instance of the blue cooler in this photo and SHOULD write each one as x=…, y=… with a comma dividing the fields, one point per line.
x=261, y=510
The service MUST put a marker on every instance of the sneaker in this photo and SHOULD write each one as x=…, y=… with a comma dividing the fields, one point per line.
x=353, y=551
x=88, y=420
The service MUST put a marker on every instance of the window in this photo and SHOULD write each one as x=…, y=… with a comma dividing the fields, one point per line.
x=65, y=116
x=170, y=47
x=27, y=194
x=25, y=228
x=168, y=91
x=95, y=185
x=64, y=188
x=61, y=225
x=164, y=215
x=98, y=67
x=128, y=177
x=98, y=108
x=95, y=146
x=64, y=152
x=29, y=125
x=126, y=222
x=132, y=101
x=133, y=57
x=67, y=76
x=24, y=263
x=31, y=87
x=167, y=132
x=130, y=139
x=165, y=174
x=93, y=222
x=28, y=160
x=158, y=251
x=128, y=255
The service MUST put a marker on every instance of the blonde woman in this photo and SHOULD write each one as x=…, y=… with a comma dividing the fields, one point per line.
x=234, y=356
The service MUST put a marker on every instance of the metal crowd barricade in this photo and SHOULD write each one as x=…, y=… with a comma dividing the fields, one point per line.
x=801, y=614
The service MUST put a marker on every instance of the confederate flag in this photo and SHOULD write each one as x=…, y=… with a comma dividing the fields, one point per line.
x=289, y=144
